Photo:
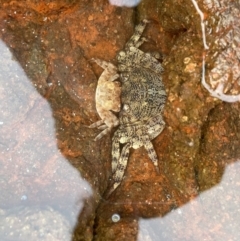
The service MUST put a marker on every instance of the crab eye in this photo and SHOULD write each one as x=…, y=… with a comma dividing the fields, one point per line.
x=121, y=56
x=122, y=53
x=124, y=76
x=126, y=107
x=132, y=49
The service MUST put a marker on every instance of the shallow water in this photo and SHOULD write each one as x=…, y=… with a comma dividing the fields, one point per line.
x=54, y=176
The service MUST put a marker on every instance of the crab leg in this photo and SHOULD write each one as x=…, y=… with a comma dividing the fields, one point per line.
x=151, y=152
x=135, y=39
x=107, y=122
x=155, y=126
x=110, y=73
x=122, y=164
x=115, y=151
x=96, y=124
x=102, y=133
x=140, y=42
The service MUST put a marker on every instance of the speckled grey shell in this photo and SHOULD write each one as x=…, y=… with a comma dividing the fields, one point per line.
x=143, y=96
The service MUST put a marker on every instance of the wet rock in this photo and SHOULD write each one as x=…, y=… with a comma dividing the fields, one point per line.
x=217, y=24
x=125, y=229
x=175, y=16
x=158, y=39
x=223, y=35
x=187, y=112
x=219, y=146
x=53, y=44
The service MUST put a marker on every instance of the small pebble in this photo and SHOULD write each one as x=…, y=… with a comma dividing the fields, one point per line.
x=90, y=18
x=115, y=217
x=23, y=197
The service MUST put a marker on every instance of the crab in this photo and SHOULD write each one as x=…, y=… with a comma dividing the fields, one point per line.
x=107, y=98
x=143, y=97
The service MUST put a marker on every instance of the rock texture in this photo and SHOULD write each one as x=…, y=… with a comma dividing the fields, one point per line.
x=53, y=42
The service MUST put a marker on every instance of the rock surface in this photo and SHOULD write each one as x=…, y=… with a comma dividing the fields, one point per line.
x=47, y=102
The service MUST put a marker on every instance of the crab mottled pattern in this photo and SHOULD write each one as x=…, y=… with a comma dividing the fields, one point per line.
x=107, y=98
x=143, y=97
